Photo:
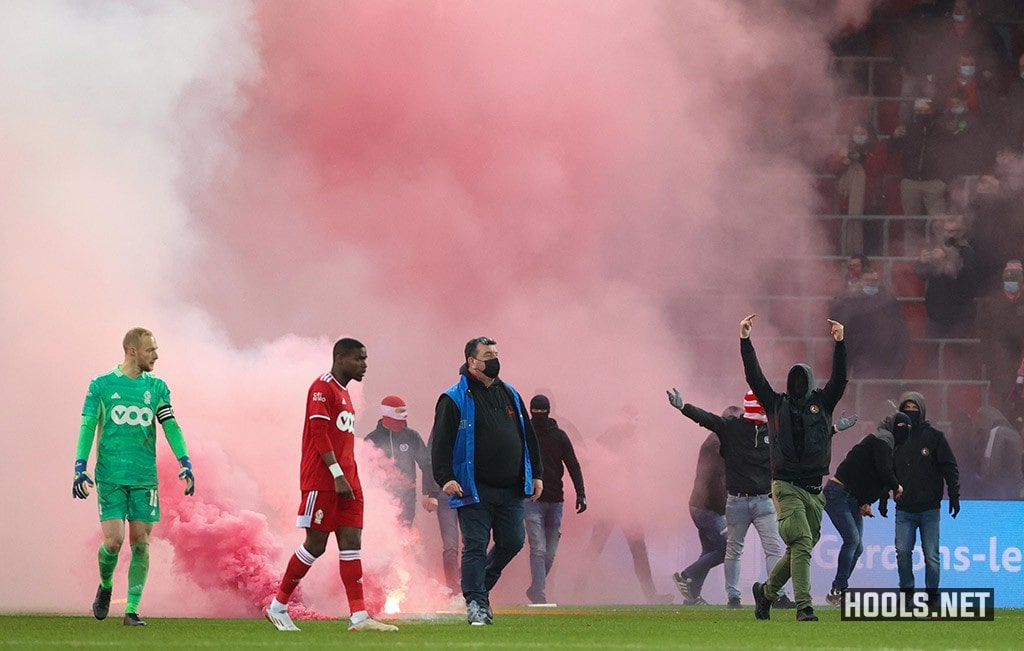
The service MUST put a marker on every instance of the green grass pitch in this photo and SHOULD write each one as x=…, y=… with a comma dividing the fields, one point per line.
x=625, y=627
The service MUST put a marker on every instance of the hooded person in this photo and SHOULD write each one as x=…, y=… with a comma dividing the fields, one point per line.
x=865, y=475
x=800, y=448
x=406, y=448
x=923, y=462
x=743, y=444
x=543, y=518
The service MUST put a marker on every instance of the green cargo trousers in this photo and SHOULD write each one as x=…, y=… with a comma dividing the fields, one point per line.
x=800, y=528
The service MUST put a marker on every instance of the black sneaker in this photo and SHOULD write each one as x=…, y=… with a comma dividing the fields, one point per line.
x=488, y=615
x=684, y=585
x=734, y=603
x=132, y=619
x=806, y=615
x=762, y=605
x=101, y=604
x=784, y=603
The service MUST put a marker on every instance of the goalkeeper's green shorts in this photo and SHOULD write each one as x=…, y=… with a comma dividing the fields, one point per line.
x=128, y=503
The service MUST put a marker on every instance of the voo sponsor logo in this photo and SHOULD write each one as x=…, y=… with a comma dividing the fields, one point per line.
x=131, y=415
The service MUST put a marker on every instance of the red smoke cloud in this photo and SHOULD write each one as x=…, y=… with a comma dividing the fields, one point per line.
x=251, y=181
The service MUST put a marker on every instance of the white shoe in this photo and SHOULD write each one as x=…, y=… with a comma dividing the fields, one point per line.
x=370, y=624
x=281, y=620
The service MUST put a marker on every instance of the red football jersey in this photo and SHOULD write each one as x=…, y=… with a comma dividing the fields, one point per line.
x=330, y=426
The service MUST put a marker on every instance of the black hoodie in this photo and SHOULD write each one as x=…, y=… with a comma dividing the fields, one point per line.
x=922, y=462
x=800, y=420
x=867, y=471
x=557, y=455
x=743, y=445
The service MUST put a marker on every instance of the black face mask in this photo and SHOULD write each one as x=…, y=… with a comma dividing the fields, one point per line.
x=914, y=416
x=492, y=367
x=950, y=241
x=540, y=419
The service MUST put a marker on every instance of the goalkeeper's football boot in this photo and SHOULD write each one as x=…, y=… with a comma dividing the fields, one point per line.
x=132, y=619
x=101, y=604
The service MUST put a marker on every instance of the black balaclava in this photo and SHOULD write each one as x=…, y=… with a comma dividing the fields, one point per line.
x=540, y=410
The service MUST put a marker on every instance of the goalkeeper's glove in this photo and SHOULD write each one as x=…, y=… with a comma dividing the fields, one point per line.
x=186, y=474
x=83, y=481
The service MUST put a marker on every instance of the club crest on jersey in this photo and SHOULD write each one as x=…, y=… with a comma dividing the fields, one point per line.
x=815, y=409
x=925, y=452
x=318, y=517
x=346, y=422
x=404, y=447
x=147, y=397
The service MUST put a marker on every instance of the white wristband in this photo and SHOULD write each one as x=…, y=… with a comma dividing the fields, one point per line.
x=336, y=470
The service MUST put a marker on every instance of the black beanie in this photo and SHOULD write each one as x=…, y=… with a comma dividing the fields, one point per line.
x=540, y=403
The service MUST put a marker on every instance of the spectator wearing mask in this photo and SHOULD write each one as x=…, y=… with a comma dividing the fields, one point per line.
x=921, y=146
x=1001, y=330
x=743, y=444
x=923, y=463
x=405, y=447
x=988, y=452
x=543, y=518
x=859, y=164
x=949, y=273
x=865, y=476
x=881, y=338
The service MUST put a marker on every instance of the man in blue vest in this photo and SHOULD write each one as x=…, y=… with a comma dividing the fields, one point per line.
x=486, y=460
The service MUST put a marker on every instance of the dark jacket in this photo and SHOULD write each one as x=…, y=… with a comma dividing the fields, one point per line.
x=800, y=420
x=499, y=430
x=923, y=462
x=923, y=149
x=879, y=338
x=709, y=483
x=557, y=455
x=949, y=293
x=406, y=447
x=867, y=471
x=743, y=445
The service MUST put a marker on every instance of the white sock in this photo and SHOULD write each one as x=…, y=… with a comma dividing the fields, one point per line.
x=359, y=616
x=278, y=607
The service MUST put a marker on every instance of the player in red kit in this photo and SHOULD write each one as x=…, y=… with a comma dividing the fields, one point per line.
x=332, y=498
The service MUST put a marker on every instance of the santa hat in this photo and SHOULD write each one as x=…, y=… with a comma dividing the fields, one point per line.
x=752, y=409
x=392, y=408
x=1014, y=270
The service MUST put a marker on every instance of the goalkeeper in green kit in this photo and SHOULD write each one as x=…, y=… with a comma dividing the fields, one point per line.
x=121, y=410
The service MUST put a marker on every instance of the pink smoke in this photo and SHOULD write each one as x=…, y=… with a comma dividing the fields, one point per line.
x=253, y=180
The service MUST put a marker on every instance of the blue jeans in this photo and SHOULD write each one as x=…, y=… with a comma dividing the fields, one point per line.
x=499, y=513
x=740, y=513
x=448, y=522
x=711, y=528
x=844, y=511
x=543, y=529
x=907, y=525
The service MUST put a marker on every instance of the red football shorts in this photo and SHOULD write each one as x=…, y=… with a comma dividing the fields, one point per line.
x=326, y=511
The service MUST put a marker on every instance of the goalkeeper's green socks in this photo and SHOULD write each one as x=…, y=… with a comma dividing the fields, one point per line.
x=108, y=561
x=137, y=571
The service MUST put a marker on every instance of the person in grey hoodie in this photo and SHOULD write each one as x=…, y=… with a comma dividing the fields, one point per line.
x=923, y=462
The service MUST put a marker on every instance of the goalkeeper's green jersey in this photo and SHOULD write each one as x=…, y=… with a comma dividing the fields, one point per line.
x=127, y=411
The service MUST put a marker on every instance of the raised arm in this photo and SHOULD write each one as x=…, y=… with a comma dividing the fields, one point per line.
x=756, y=380
x=836, y=385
